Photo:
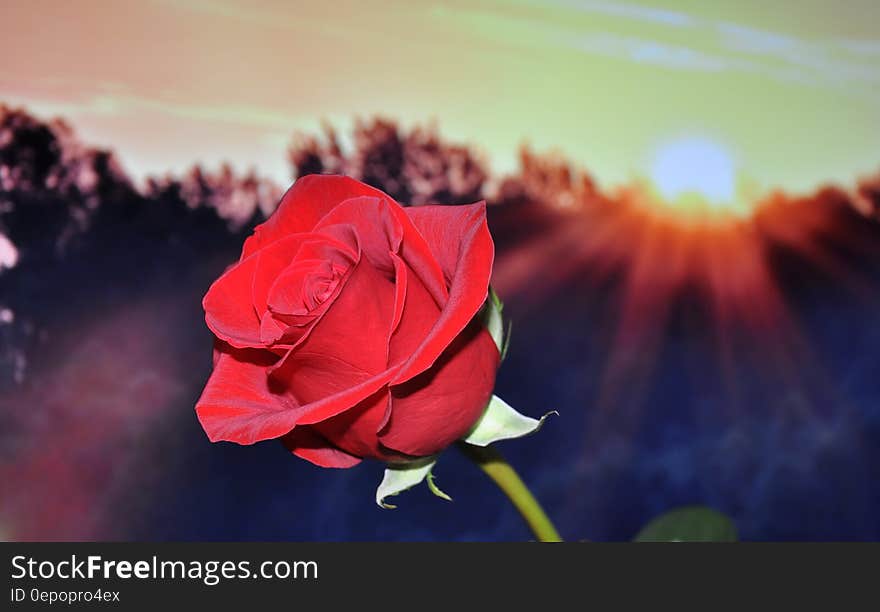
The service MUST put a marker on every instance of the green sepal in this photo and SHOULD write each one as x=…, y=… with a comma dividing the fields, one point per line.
x=501, y=422
x=402, y=476
x=435, y=489
x=493, y=320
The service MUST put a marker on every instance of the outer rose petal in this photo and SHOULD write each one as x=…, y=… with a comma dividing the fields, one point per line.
x=449, y=230
x=328, y=407
x=460, y=240
x=308, y=444
x=401, y=281
x=238, y=404
x=229, y=312
x=418, y=314
x=355, y=430
x=432, y=410
x=305, y=203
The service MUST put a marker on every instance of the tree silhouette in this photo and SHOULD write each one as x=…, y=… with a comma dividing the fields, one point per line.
x=414, y=167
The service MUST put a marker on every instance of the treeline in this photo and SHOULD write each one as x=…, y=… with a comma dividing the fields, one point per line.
x=55, y=190
x=417, y=166
x=57, y=193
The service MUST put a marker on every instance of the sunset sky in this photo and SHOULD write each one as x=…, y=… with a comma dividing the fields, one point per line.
x=789, y=92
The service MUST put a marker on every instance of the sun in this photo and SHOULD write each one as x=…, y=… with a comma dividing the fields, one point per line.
x=694, y=168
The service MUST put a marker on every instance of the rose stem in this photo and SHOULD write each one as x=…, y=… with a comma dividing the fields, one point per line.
x=501, y=472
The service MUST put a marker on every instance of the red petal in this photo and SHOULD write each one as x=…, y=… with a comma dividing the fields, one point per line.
x=308, y=444
x=305, y=203
x=294, y=328
x=271, y=330
x=436, y=408
x=416, y=252
x=238, y=404
x=355, y=430
x=383, y=227
x=377, y=227
x=274, y=259
x=229, y=312
x=401, y=280
x=229, y=307
x=460, y=240
x=344, y=359
x=419, y=313
x=383, y=230
x=328, y=407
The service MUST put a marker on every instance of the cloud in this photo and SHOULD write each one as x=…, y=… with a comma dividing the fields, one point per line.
x=868, y=48
x=630, y=11
x=821, y=59
x=293, y=18
x=110, y=104
x=646, y=51
x=681, y=41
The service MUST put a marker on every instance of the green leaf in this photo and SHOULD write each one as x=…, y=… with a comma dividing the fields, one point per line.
x=689, y=524
x=501, y=422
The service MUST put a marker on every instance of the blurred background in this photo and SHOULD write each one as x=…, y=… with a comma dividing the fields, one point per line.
x=685, y=199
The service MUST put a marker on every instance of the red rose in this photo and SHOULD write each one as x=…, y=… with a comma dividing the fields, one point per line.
x=349, y=327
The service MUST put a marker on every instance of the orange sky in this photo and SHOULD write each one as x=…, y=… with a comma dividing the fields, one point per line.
x=790, y=89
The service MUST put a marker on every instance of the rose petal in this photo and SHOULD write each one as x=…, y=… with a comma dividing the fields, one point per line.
x=228, y=304
x=308, y=444
x=305, y=203
x=238, y=404
x=344, y=359
x=383, y=227
x=293, y=329
x=351, y=334
x=273, y=260
x=460, y=240
x=401, y=280
x=304, y=286
x=355, y=430
x=432, y=410
x=328, y=407
x=229, y=312
x=419, y=313
x=417, y=253
x=271, y=330
x=376, y=225
x=450, y=230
